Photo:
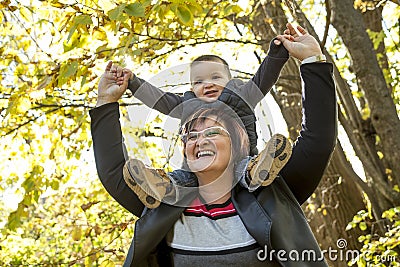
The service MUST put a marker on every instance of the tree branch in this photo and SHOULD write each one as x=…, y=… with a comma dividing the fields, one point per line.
x=327, y=23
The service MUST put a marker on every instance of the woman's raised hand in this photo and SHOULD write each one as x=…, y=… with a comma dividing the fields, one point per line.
x=109, y=91
x=299, y=42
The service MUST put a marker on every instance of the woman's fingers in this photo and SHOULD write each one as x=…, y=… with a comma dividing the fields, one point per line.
x=109, y=65
x=119, y=71
x=284, y=37
x=292, y=30
x=301, y=30
x=295, y=32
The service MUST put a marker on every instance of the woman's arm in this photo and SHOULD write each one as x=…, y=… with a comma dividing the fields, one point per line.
x=108, y=145
x=314, y=146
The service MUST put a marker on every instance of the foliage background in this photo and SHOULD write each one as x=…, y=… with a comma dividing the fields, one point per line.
x=53, y=52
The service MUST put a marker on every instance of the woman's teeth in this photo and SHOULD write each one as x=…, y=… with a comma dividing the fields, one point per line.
x=205, y=153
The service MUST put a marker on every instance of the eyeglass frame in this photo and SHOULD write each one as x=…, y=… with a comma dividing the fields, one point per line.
x=184, y=136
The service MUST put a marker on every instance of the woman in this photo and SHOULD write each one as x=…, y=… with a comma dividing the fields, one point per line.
x=264, y=228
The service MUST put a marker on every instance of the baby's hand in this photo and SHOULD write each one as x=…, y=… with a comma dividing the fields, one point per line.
x=120, y=73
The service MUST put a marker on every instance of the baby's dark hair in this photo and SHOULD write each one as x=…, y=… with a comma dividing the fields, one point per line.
x=212, y=58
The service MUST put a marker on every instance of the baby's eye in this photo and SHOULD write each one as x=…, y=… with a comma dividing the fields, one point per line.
x=216, y=77
x=197, y=82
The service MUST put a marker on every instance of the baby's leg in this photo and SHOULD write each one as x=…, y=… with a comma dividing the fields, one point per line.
x=154, y=186
x=263, y=168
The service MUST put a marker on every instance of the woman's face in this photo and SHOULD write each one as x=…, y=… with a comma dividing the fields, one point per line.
x=208, y=150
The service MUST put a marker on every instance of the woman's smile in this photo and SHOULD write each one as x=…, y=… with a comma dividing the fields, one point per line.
x=208, y=147
x=205, y=153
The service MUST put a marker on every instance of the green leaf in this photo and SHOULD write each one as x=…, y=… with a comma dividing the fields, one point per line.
x=117, y=13
x=232, y=9
x=184, y=15
x=107, y=263
x=55, y=184
x=83, y=20
x=13, y=221
x=71, y=42
x=67, y=70
x=135, y=10
x=79, y=20
x=28, y=184
x=84, y=78
x=71, y=31
x=236, y=9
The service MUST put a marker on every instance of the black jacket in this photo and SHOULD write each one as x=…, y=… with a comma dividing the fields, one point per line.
x=239, y=96
x=272, y=215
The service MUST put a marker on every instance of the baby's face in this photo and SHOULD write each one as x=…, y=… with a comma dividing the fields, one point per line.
x=208, y=79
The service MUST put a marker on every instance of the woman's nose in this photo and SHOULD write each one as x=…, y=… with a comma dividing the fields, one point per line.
x=201, y=140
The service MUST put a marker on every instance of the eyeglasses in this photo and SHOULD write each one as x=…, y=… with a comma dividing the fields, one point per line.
x=209, y=133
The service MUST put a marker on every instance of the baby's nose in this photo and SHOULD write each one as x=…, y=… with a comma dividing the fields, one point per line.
x=208, y=83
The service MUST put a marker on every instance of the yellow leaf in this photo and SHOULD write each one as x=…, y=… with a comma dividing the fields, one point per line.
x=99, y=34
x=25, y=13
x=107, y=263
x=57, y=4
x=76, y=233
x=24, y=104
x=365, y=113
x=106, y=5
x=43, y=12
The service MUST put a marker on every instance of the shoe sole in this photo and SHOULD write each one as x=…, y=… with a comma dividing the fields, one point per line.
x=146, y=183
x=270, y=161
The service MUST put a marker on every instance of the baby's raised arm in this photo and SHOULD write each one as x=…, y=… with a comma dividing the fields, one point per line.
x=148, y=94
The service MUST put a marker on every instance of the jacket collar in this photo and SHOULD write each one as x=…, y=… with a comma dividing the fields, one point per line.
x=254, y=217
x=154, y=225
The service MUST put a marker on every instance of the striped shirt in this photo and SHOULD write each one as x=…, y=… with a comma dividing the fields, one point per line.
x=212, y=235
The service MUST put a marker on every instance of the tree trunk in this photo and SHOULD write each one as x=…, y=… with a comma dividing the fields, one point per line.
x=373, y=21
x=350, y=26
x=360, y=135
x=337, y=198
